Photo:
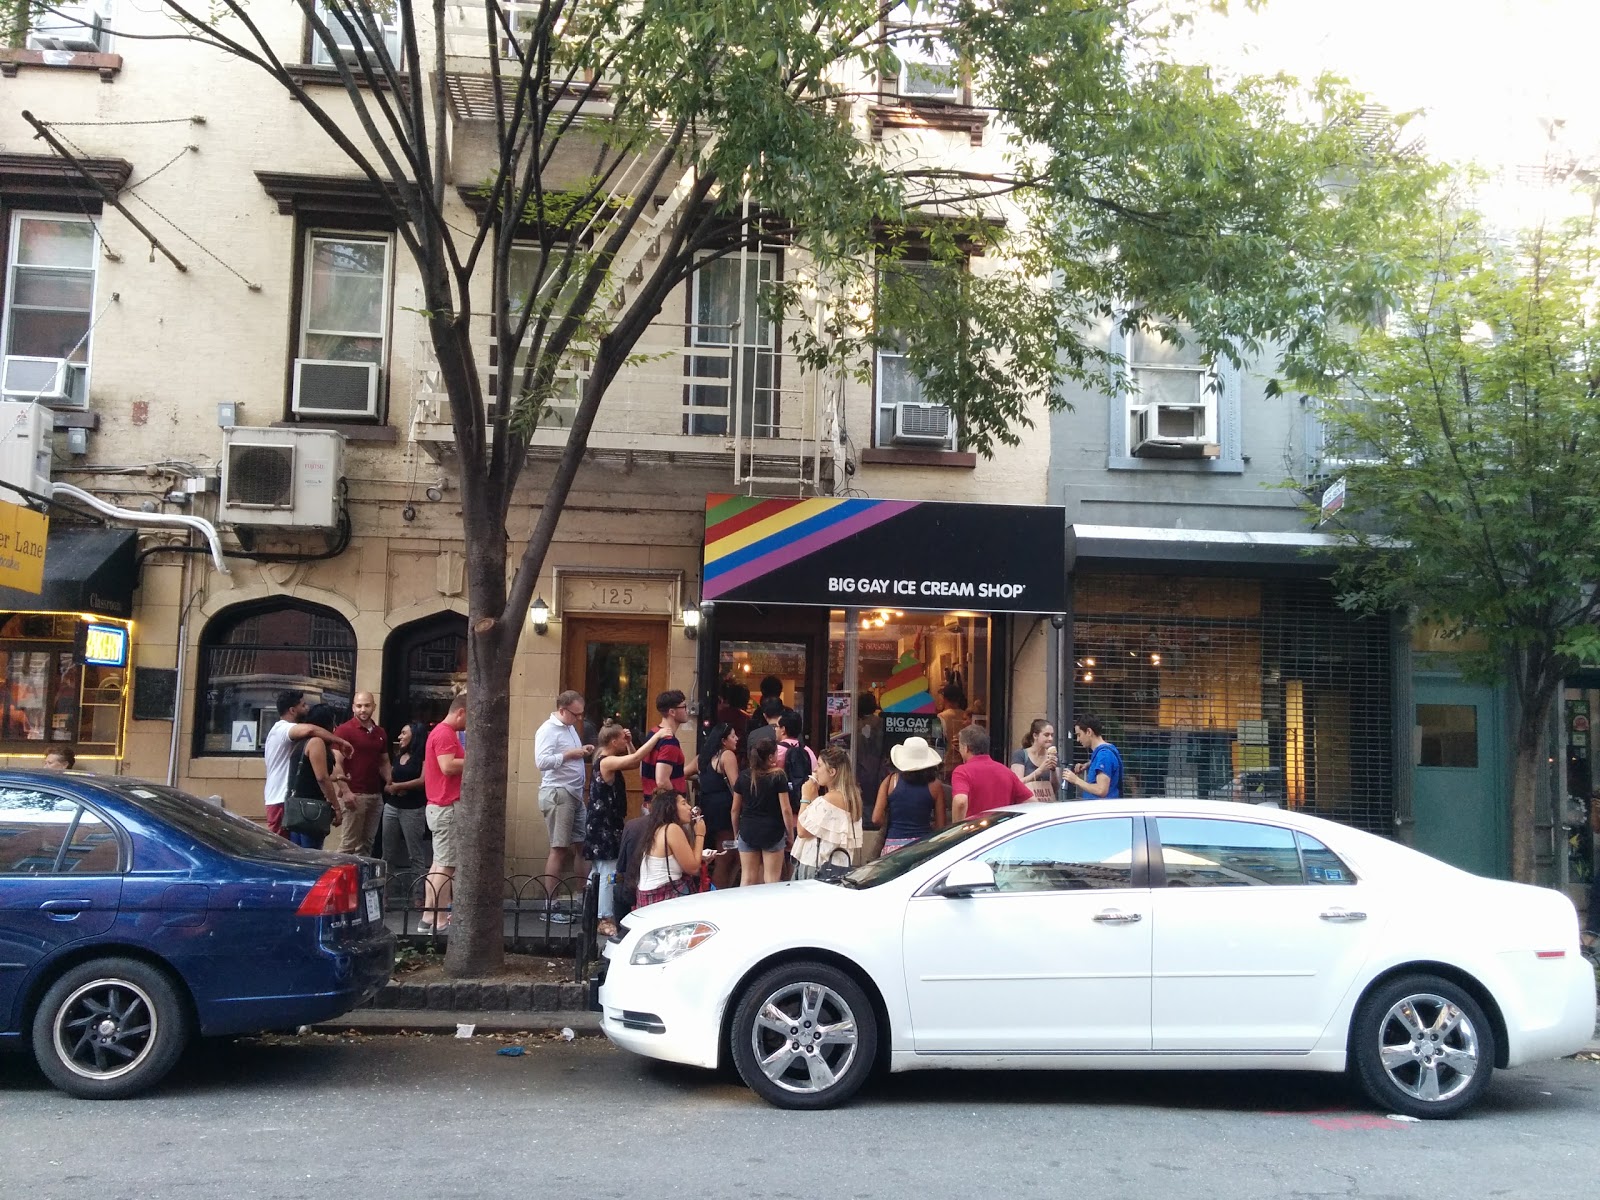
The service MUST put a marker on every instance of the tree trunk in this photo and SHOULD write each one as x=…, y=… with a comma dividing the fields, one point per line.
x=477, y=925
x=1527, y=786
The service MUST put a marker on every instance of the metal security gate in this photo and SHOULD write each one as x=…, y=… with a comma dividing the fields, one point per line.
x=1240, y=689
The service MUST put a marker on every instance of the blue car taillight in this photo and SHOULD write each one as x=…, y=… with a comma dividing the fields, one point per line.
x=336, y=893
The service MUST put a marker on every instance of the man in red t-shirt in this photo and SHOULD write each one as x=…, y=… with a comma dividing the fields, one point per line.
x=366, y=768
x=980, y=783
x=442, y=764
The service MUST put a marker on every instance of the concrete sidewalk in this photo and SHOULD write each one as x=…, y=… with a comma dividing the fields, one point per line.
x=402, y=1020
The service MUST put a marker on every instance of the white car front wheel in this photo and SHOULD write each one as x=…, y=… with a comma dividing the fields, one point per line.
x=804, y=1035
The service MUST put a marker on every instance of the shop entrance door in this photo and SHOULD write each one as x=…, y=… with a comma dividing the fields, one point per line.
x=1461, y=802
x=620, y=666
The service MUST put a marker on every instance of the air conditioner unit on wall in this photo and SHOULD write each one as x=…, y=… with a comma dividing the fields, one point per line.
x=286, y=478
x=1172, y=431
x=26, y=377
x=331, y=388
x=923, y=424
x=74, y=27
x=27, y=433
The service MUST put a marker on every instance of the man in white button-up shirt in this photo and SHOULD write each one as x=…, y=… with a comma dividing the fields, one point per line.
x=562, y=759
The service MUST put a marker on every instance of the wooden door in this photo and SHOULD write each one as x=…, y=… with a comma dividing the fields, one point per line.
x=620, y=666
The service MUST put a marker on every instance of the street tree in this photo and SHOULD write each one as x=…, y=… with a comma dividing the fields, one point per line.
x=1471, y=423
x=1218, y=210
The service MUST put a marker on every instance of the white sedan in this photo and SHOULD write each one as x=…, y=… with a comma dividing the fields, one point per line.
x=1185, y=934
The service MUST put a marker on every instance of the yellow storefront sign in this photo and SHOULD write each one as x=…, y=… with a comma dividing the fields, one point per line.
x=22, y=538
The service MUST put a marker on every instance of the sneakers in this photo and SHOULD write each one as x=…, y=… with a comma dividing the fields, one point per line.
x=559, y=916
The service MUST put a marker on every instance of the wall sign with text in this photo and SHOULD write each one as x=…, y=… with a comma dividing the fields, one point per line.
x=849, y=553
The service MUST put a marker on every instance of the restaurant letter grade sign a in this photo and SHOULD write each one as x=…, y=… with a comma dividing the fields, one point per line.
x=22, y=537
x=847, y=553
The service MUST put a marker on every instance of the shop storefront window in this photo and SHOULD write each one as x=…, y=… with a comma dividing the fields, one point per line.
x=251, y=653
x=49, y=696
x=1259, y=691
x=928, y=671
x=749, y=663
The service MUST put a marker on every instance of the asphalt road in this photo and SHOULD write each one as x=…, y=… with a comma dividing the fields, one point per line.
x=432, y=1117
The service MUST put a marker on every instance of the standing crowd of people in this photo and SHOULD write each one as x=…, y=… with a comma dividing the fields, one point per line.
x=755, y=805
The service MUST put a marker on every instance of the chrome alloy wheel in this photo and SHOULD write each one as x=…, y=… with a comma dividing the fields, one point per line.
x=804, y=1037
x=105, y=1029
x=1428, y=1047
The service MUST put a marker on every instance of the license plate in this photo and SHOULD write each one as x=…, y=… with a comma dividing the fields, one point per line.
x=374, y=907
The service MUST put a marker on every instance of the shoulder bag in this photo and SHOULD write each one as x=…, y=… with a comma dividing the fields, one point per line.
x=304, y=814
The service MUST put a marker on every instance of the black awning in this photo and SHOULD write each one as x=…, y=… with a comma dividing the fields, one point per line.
x=1198, y=551
x=87, y=569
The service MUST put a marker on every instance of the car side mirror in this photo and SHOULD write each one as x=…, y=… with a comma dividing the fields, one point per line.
x=967, y=877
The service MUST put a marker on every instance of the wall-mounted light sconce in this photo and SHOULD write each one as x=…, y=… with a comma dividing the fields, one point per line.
x=691, y=622
x=539, y=614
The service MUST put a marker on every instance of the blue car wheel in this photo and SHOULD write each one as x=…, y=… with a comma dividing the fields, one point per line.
x=109, y=1028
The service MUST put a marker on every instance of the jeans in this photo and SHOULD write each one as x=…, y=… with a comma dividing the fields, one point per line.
x=405, y=839
x=606, y=874
x=311, y=841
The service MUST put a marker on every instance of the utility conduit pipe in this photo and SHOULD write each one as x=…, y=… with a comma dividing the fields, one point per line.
x=178, y=520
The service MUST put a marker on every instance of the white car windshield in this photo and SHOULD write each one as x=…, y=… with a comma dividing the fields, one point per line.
x=896, y=864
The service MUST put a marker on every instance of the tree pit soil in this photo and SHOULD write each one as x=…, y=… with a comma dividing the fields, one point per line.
x=519, y=968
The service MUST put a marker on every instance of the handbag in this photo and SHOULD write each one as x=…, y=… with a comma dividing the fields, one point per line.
x=832, y=871
x=311, y=815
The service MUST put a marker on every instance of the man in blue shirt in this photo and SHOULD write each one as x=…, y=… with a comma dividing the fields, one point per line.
x=1102, y=778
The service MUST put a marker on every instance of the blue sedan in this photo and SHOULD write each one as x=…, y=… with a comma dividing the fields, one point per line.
x=134, y=918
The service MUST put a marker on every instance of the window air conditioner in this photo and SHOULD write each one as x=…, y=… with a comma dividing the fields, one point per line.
x=1171, y=431
x=923, y=424
x=331, y=388
x=29, y=378
x=72, y=27
x=287, y=478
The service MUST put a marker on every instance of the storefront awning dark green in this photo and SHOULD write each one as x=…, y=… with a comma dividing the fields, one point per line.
x=87, y=569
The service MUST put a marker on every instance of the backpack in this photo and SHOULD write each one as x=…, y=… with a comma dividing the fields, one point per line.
x=797, y=764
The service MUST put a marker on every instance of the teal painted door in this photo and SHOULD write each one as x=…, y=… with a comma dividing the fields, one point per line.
x=1460, y=802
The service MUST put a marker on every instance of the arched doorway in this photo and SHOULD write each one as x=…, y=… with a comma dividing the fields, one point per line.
x=424, y=666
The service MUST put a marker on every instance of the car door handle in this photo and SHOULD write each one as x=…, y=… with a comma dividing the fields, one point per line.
x=1115, y=916
x=1343, y=915
x=67, y=908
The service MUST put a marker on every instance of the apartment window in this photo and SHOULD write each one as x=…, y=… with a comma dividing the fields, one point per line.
x=732, y=359
x=529, y=284
x=49, y=309
x=352, y=32
x=79, y=28
x=904, y=415
x=250, y=653
x=1341, y=446
x=1173, y=411
x=344, y=325
x=1171, y=398
x=929, y=69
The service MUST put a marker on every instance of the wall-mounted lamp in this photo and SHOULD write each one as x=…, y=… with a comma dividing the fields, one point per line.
x=691, y=622
x=539, y=614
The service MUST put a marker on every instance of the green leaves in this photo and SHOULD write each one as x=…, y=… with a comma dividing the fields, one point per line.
x=1474, y=414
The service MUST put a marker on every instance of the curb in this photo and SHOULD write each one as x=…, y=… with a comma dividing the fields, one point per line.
x=481, y=997
x=378, y=1020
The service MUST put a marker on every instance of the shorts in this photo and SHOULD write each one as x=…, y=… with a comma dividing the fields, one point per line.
x=561, y=807
x=275, y=819
x=777, y=847
x=441, y=823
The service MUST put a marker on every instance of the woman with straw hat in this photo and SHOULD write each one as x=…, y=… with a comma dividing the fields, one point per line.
x=911, y=801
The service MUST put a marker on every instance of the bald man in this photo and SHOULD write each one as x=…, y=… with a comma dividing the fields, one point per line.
x=366, y=772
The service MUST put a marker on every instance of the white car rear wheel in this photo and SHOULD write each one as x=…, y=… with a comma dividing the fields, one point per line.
x=804, y=1035
x=1423, y=1047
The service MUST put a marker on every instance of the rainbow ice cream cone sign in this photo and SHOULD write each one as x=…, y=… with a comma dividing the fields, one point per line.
x=906, y=691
